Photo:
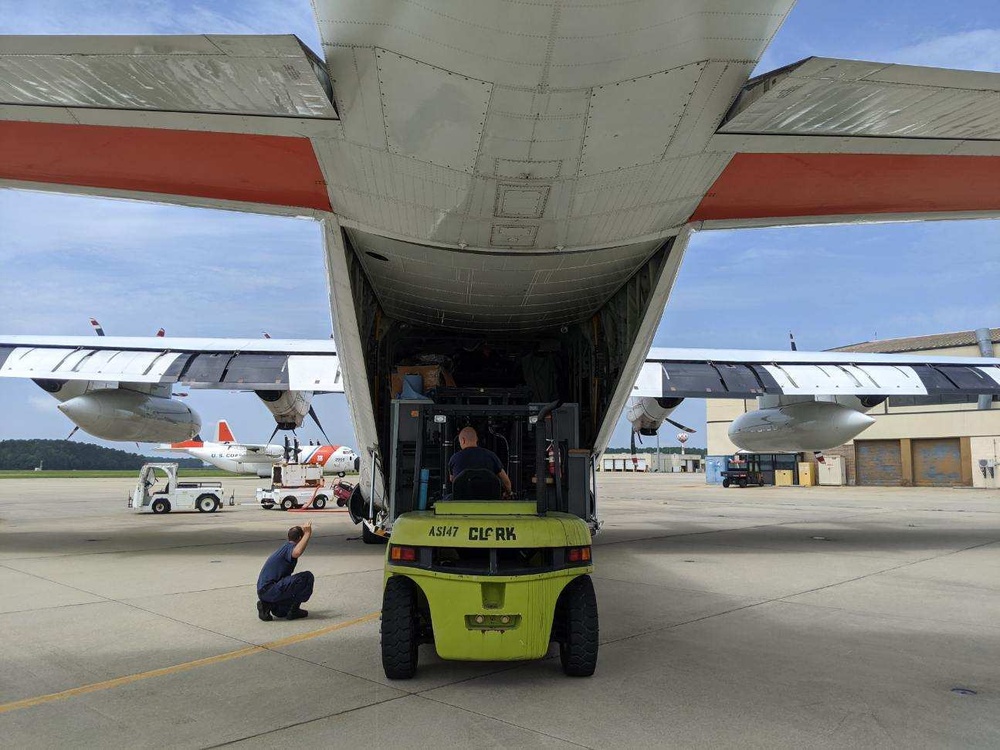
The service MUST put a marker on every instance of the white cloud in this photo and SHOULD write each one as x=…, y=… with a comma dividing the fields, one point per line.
x=965, y=50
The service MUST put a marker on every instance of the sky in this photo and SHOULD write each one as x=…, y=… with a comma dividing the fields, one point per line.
x=200, y=272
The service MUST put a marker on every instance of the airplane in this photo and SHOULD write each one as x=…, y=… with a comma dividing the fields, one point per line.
x=249, y=458
x=509, y=193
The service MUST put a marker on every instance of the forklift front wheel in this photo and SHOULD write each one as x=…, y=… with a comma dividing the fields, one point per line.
x=400, y=631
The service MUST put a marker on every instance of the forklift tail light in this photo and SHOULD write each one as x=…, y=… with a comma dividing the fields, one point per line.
x=403, y=554
x=578, y=554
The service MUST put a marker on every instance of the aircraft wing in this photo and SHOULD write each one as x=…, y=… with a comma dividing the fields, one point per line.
x=231, y=364
x=827, y=140
x=211, y=120
x=743, y=373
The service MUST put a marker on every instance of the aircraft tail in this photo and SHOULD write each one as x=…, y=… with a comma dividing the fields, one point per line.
x=195, y=442
x=224, y=434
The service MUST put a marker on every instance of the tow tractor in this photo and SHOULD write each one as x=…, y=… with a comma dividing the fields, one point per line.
x=206, y=497
x=294, y=484
x=480, y=576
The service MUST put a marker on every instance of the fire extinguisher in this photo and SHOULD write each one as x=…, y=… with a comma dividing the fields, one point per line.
x=550, y=458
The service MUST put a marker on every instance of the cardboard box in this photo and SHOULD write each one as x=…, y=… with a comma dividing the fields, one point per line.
x=432, y=376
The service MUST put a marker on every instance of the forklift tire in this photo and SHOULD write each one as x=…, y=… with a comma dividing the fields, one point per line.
x=579, y=632
x=726, y=482
x=207, y=503
x=288, y=503
x=370, y=537
x=743, y=482
x=400, y=628
x=319, y=502
x=161, y=506
x=267, y=504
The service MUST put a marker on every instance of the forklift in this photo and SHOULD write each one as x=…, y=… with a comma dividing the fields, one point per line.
x=481, y=576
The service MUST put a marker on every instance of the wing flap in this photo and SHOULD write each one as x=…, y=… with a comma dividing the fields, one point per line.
x=258, y=364
x=707, y=373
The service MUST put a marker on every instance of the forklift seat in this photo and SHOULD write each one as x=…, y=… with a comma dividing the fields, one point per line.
x=476, y=484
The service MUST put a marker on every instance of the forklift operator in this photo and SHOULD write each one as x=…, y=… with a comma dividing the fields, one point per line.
x=279, y=592
x=471, y=456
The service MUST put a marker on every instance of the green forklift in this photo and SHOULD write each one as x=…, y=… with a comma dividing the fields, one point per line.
x=480, y=575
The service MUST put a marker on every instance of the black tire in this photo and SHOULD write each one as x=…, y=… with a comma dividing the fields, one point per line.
x=341, y=474
x=207, y=503
x=726, y=482
x=743, y=482
x=161, y=506
x=319, y=502
x=578, y=631
x=288, y=503
x=267, y=504
x=341, y=502
x=370, y=537
x=400, y=628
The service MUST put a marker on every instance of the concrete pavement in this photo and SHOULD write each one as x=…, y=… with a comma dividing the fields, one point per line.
x=765, y=617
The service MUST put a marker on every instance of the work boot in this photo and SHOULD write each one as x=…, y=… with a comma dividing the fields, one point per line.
x=263, y=611
x=296, y=613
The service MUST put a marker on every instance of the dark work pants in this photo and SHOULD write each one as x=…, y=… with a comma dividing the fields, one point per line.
x=288, y=592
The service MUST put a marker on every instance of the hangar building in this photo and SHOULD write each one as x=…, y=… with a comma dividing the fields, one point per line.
x=952, y=442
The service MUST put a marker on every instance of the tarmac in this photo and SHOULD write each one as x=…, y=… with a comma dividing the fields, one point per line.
x=762, y=617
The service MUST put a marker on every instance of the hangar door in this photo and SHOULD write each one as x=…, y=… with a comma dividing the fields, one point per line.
x=937, y=462
x=879, y=462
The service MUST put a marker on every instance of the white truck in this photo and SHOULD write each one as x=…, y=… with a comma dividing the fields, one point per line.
x=205, y=497
x=295, y=485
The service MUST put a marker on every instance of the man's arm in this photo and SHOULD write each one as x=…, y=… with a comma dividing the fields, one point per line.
x=504, y=480
x=300, y=547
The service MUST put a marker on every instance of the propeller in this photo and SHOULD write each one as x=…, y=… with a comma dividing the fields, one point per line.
x=73, y=432
x=791, y=341
x=160, y=333
x=312, y=413
x=97, y=327
x=679, y=426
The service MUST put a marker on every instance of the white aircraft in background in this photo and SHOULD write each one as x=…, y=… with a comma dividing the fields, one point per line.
x=511, y=193
x=250, y=458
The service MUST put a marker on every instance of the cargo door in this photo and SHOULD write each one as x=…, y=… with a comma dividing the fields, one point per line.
x=937, y=462
x=879, y=463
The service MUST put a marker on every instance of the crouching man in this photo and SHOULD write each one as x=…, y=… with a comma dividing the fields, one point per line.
x=279, y=592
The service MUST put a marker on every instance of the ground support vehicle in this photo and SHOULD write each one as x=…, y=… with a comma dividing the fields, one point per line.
x=489, y=581
x=294, y=485
x=480, y=577
x=742, y=471
x=205, y=497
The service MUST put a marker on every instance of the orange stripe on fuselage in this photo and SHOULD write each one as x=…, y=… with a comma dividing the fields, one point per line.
x=755, y=186
x=322, y=454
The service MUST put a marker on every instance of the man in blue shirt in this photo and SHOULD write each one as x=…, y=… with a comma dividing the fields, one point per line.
x=279, y=592
x=473, y=457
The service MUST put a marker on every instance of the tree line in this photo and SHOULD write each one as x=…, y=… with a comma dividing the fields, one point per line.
x=66, y=455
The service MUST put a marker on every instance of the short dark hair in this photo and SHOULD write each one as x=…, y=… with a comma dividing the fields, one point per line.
x=295, y=533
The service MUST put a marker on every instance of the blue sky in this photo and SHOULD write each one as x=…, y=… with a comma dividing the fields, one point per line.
x=197, y=272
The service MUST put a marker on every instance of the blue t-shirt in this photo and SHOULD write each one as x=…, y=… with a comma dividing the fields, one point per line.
x=474, y=458
x=279, y=565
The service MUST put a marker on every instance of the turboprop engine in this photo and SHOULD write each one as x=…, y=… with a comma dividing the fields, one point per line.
x=647, y=414
x=802, y=424
x=289, y=408
x=121, y=414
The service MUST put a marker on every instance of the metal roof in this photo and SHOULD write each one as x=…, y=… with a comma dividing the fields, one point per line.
x=920, y=343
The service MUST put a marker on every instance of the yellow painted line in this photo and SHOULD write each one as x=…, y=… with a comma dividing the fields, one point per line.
x=188, y=665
